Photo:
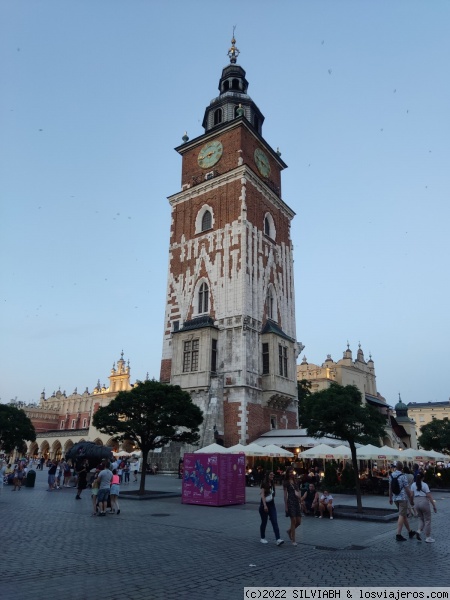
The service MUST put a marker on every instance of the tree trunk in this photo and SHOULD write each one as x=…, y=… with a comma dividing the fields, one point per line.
x=359, y=507
x=144, y=472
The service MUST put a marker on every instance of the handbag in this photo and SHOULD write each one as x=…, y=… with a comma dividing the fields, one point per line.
x=269, y=498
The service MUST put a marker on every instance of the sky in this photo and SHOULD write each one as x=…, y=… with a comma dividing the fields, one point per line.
x=96, y=94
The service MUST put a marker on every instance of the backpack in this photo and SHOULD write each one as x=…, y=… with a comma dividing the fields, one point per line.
x=395, y=485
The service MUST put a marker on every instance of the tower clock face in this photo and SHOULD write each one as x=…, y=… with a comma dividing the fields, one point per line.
x=210, y=154
x=262, y=162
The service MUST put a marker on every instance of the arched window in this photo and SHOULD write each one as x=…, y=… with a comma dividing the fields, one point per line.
x=269, y=226
x=235, y=84
x=270, y=304
x=226, y=86
x=206, y=221
x=218, y=116
x=203, y=298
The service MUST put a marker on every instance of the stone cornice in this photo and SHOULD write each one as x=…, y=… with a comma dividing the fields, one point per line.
x=239, y=173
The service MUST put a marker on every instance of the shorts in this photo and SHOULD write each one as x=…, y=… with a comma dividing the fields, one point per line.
x=51, y=479
x=115, y=489
x=402, y=506
x=103, y=494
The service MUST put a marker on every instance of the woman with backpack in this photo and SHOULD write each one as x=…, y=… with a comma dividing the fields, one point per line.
x=423, y=501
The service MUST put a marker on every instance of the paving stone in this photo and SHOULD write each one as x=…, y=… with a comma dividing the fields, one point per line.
x=57, y=550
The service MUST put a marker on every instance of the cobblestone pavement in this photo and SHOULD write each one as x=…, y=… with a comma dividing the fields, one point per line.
x=51, y=547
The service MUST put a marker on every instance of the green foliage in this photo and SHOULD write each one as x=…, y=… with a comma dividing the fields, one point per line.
x=151, y=415
x=15, y=428
x=348, y=477
x=303, y=389
x=436, y=436
x=339, y=411
x=330, y=479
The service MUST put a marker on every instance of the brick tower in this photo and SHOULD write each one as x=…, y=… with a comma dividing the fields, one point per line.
x=229, y=335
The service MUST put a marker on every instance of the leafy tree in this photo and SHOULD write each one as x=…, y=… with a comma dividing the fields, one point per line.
x=339, y=411
x=303, y=389
x=436, y=435
x=152, y=414
x=15, y=428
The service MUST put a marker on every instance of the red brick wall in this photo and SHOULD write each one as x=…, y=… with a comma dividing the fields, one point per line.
x=231, y=415
x=232, y=141
x=166, y=368
x=259, y=420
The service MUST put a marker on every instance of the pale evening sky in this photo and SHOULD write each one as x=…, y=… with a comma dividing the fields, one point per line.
x=95, y=96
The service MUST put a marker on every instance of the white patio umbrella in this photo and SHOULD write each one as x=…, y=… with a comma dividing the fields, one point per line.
x=212, y=449
x=437, y=455
x=320, y=451
x=342, y=452
x=254, y=450
x=389, y=452
x=370, y=452
x=237, y=449
x=122, y=453
x=274, y=450
x=411, y=455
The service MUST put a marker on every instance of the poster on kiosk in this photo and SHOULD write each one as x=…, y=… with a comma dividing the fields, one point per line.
x=213, y=479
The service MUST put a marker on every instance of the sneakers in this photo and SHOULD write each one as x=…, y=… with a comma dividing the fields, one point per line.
x=294, y=543
x=279, y=542
x=264, y=541
x=400, y=538
x=418, y=536
x=320, y=517
x=411, y=534
x=331, y=518
x=430, y=540
x=118, y=511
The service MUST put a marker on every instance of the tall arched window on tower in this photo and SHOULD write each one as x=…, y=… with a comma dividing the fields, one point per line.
x=206, y=220
x=218, y=116
x=269, y=226
x=203, y=298
x=270, y=304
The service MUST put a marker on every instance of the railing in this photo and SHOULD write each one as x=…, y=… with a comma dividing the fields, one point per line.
x=62, y=432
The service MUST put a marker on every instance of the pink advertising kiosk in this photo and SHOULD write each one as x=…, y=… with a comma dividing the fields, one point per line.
x=213, y=479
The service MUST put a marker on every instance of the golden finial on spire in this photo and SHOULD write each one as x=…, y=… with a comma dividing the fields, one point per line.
x=233, y=52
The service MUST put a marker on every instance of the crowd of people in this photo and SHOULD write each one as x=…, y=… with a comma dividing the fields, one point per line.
x=104, y=480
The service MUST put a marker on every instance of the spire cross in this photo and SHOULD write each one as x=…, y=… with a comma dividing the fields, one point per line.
x=233, y=52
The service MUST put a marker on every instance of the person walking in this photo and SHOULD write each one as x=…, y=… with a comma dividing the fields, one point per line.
x=18, y=477
x=423, y=501
x=51, y=476
x=114, y=492
x=104, y=478
x=81, y=480
x=292, y=497
x=267, y=508
x=410, y=477
x=67, y=474
x=400, y=492
x=126, y=472
x=94, y=496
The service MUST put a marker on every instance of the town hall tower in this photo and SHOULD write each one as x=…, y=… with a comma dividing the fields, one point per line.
x=229, y=334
